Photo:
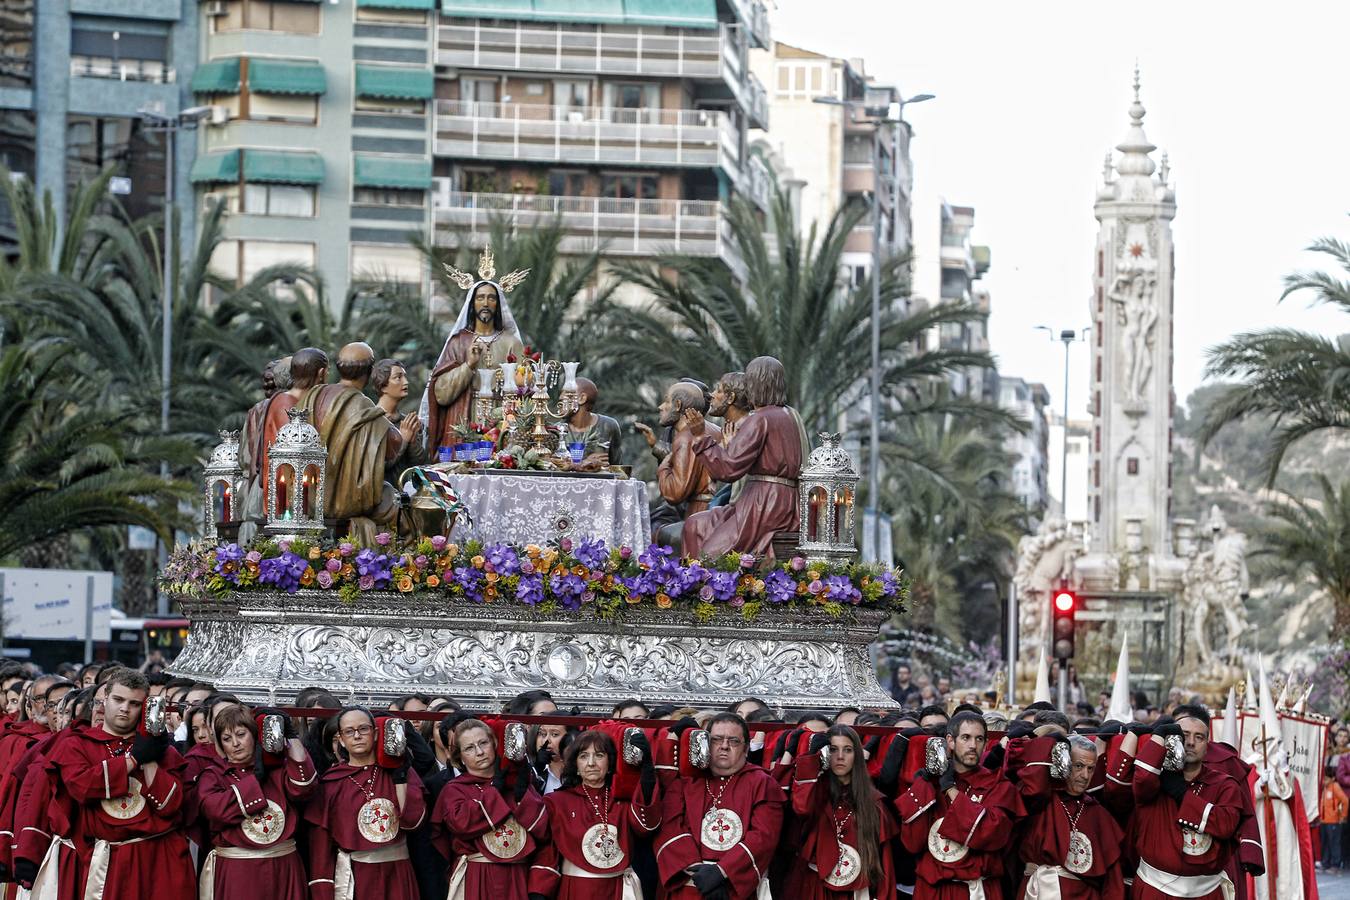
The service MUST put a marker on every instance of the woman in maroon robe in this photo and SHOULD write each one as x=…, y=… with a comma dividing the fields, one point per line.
x=491, y=832
x=251, y=819
x=356, y=847
x=845, y=825
x=592, y=829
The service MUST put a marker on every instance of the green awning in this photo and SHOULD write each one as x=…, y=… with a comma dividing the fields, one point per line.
x=215, y=168
x=673, y=13
x=489, y=9
x=602, y=11
x=392, y=172
x=286, y=76
x=397, y=4
x=395, y=83
x=282, y=167
x=219, y=76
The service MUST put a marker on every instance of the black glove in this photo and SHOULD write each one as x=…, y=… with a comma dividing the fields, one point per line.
x=914, y=731
x=888, y=778
x=419, y=753
x=259, y=764
x=818, y=740
x=5, y=874
x=1020, y=729
x=1173, y=785
x=779, y=745
x=574, y=711
x=537, y=897
x=1139, y=728
x=947, y=779
x=871, y=744
x=148, y=749
x=542, y=759
x=1110, y=728
x=993, y=760
x=644, y=746
x=400, y=775
x=647, y=781
x=289, y=730
x=680, y=727
x=25, y=870
x=499, y=781
x=709, y=880
x=522, y=784
x=794, y=740
x=1168, y=730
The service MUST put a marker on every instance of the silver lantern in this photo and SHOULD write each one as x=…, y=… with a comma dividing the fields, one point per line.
x=295, y=480
x=223, y=495
x=826, y=491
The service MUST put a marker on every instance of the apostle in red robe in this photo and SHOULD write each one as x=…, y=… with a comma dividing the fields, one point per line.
x=356, y=846
x=1070, y=843
x=959, y=823
x=126, y=792
x=491, y=831
x=1185, y=826
x=252, y=817
x=845, y=824
x=592, y=828
x=719, y=831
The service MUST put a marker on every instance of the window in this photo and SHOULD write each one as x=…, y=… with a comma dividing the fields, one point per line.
x=391, y=107
x=225, y=194
x=630, y=103
x=387, y=263
x=105, y=50
x=388, y=197
x=478, y=90
x=567, y=183
x=391, y=16
x=93, y=143
x=629, y=187
x=279, y=200
x=283, y=108
x=258, y=255
x=783, y=75
x=269, y=15
x=572, y=94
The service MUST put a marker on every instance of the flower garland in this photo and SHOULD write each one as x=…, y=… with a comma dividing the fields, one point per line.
x=569, y=575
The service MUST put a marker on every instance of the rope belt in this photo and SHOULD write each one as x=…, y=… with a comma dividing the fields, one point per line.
x=1043, y=881
x=773, y=479
x=344, y=884
x=102, y=857
x=632, y=887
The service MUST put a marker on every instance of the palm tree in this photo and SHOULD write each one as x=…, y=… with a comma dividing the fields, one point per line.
x=1313, y=537
x=1301, y=380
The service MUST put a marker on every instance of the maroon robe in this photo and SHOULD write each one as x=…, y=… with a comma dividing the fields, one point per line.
x=278, y=414
x=1211, y=810
x=571, y=813
x=337, y=825
x=491, y=837
x=980, y=820
x=141, y=822
x=196, y=761
x=36, y=816
x=820, y=852
x=767, y=445
x=1044, y=834
x=240, y=812
x=1250, y=858
x=753, y=796
x=14, y=746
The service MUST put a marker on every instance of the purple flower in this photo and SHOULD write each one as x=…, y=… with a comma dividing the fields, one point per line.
x=470, y=580
x=747, y=560
x=705, y=593
x=625, y=552
x=227, y=562
x=840, y=589
x=588, y=597
x=324, y=579
x=420, y=561
x=816, y=588
x=592, y=554
x=284, y=546
x=890, y=585
x=333, y=565
x=780, y=586
x=253, y=556
x=382, y=539
x=438, y=542
x=366, y=582
x=565, y=545
x=503, y=559
x=797, y=564
x=530, y=590
x=283, y=572
x=346, y=549
x=737, y=602
x=723, y=585
x=526, y=567
x=568, y=588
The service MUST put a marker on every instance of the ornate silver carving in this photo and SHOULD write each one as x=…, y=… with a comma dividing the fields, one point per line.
x=263, y=646
x=632, y=754
x=514, y=748
x=935, y=755
x=153, y=716
x=1174, y=757
x=699, y=750
x=1061, y=761
x=297, y=471
x=222, y=472
x=273, y=734
x=395, y=737
x=825, y=494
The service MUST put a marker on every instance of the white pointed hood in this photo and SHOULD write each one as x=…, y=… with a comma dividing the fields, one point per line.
x=1120, y=709
x=1043, y=682
x=1229, y=734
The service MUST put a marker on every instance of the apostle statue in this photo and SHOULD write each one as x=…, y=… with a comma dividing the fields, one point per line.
x=360, y=441
x=483, y=336
x=730, y=401
x=767, y=449
x=389, y=381
x=276, y=380
x=599, y=434
x=684, y=482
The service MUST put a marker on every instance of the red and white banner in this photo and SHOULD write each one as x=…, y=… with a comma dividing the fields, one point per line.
x=1305, y=740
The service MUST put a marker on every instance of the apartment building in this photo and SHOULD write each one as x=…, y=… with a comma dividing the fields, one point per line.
x=824, y=112
x=1031, y=451
x=74, y=76
x=947, y=267
x=625, y=119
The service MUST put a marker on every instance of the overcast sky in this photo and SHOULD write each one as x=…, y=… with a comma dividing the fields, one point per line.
x=1250, y=107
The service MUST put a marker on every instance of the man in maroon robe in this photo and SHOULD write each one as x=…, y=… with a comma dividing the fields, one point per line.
x=1185, y=826
x=719, y=831
x=1070, y=843
x=16, y=747
x=959, y=823
x=1250, y=858
x=127, y=795
x=767, y=450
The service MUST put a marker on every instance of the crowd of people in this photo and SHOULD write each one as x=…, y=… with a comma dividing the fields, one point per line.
x=323, y=800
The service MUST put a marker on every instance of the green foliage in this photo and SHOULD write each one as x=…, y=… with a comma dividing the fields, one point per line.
x=1312, y=536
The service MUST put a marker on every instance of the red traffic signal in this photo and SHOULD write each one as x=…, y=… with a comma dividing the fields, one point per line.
x=1065, y=602
x=1063, y=605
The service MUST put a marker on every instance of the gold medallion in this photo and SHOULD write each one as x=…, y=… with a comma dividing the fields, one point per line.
x=845, y=872
x=600, y=846
x=127, y=806
x=945, y=849
x=1195, y=843
x=506, y=840
x=1079, y=858
x=377, y=820
x=266, y=826
x=722, y=829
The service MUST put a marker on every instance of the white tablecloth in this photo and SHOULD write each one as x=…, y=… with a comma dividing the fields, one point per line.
x=536, y=509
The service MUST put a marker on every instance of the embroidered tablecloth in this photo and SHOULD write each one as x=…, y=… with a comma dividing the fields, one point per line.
x=536, y=509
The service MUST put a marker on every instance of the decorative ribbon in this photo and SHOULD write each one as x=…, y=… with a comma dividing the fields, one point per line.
x=206, y=889
x=102, y=856
x=439, y=488
x=47, y=882
x=632, y=887
x=1184, y=885
x=457, y=877
x=1043, y=881
x=344, y=885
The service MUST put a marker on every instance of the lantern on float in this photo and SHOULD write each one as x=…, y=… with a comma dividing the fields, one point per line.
x=295, y=480
x=223, y=496
x=825, y=499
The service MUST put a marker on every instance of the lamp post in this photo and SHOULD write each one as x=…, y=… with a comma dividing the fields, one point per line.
x=874, y=448
x=169, y=126
x=1068, y=337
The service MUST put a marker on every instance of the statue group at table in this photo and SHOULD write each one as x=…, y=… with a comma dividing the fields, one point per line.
x=722, y=489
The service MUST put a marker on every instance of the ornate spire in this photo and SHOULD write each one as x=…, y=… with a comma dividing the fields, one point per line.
x=1135, y=148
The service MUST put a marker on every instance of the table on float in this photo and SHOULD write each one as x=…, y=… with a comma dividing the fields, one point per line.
x=528, y=508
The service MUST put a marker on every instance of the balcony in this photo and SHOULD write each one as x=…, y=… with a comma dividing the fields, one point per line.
x=756, y=102
x=145, y=70
x=756, y=17
x=758, y=182
x=557, y=134
x=639, y=228
x=562, y=49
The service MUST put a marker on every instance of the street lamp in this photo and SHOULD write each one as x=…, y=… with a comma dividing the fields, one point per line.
x=874, y=448
x=169, y=126
x=1068, y=336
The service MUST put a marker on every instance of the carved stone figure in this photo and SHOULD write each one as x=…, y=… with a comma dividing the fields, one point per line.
x=1216, y=588
x=683, y=481
x=1044, y=560
x=1133, y=293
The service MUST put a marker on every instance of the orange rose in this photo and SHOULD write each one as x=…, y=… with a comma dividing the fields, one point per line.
x=404, y=583
x=533, y=551
x=580, y=571
x=477, y=562
x=315, y=552
x=633, y=599
x=307, y=578
x=492, y=577
x=433, y=581
x=347, y=570
x=663, y=601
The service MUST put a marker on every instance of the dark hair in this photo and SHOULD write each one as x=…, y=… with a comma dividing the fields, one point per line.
x=57, y=685
x=933, y=709
x=1329, y=771
x=127, y=678
x=1052, y=717
x=196, y=709
x=177, y=682
x=763, y=714
x=231, y=717
x=868, y=718
x=597, y=739
x=81, y=708
x=1191, y=711
x=106, y=672
x=760, y=704
x=728, y=717
x=736, y=385
x=628, y=704
x=355, y=369
x=862, y=796
x=812, y=715
x=968, y=707
x=768, y=382
x=309, y=695
x=661, y=710
x=1087, y=724
x=157, y=679
x=1039, y=704
x=521, y=704
x=383, y=371
x=306, y=365
x=400, y=702
x=445, y=726
x=498, y=317
x=961, y=718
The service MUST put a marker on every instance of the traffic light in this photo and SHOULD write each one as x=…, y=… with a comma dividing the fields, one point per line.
x=1063, y=605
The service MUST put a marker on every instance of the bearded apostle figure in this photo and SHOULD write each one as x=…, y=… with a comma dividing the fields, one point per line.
x=483, y=336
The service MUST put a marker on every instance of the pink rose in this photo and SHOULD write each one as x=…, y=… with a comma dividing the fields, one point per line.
x=382, y=539
x=797, y=564
x=325, y=578
x=345, y=549
x=438, y=543
x=333, y=566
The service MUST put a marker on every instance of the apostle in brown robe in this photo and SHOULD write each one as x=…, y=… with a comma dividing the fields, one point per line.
x=719, y=830
x=276, y=380
x=959, y=823
x=309, y=367
x=681, y=478
x=767, y=450
x=483, y=337
x=1070, y=843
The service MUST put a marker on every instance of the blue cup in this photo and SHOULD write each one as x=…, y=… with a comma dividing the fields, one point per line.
x=576, y=450
x=445, y=454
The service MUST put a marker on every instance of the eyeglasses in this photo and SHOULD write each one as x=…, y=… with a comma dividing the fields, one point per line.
x=726, y=741
x=358, y=731
x=480, y=747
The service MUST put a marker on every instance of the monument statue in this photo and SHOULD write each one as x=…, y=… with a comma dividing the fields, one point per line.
x=683, y=480
x=1132, y=292
x=767, y=450
x=1045, y=560
x=1216, y=585
x=483, y=337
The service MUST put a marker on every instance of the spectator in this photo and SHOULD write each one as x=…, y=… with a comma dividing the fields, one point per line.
x=1333, y=815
